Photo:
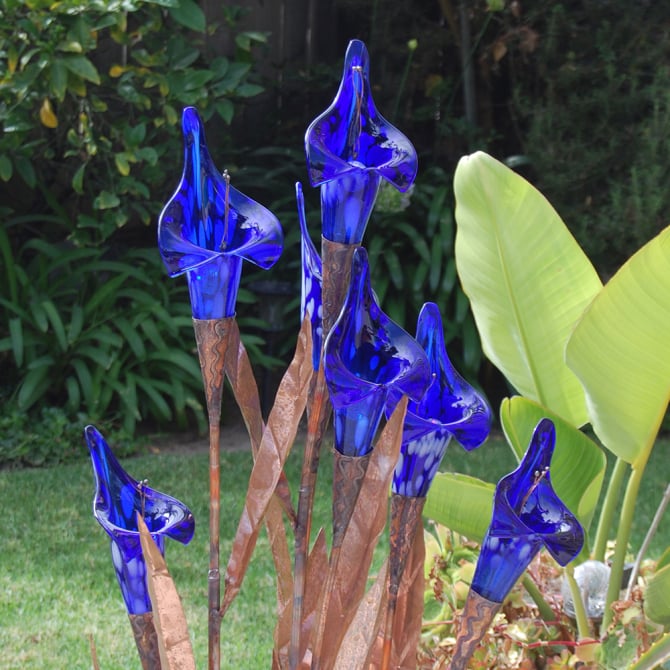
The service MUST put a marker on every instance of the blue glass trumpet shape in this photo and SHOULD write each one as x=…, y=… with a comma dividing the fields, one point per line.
x=350, y=148
x=118, y=500
x=367, y=357
x=208, y=227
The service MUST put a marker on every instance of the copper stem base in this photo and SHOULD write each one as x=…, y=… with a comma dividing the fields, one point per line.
x=211, y=336
x=405, y=522
x=476, y=618
x=146, y=640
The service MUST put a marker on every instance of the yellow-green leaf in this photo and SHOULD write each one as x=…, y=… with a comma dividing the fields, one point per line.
x=47, y=115
x=122, y=164
x=657, y=597
x=620, y=350
x=461, y=503
x=527, y=279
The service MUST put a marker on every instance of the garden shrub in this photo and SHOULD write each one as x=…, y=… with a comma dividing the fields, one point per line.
x=90, y=107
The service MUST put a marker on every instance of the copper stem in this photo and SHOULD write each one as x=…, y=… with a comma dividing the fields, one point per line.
x=405, y=522
x=212, y=337
x=476, y=618
x=336, y=261
x=146, y=640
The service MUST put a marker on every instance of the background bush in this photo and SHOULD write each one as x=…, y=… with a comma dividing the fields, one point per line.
x=90, y=102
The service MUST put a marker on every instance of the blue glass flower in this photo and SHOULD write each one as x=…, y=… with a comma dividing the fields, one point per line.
x=350, y=148
x=208, y=227
x=118, y=499
x=312, y=276
x=527, y=515
x=450, y=407
x=367, y=356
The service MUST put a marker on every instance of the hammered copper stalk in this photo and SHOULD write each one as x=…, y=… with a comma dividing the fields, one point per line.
x=336, y=260
x=478, y=614
x=405, y=523
x=144, y=633
x=211, y=336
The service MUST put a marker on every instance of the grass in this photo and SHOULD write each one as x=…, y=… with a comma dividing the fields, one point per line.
x=57, y=588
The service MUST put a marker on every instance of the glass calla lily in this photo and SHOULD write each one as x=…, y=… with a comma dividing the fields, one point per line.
x=118, y=499
x=350, y=148
x=527, y=515
x=450, y=407
x=312, y=277
x=367, y=357
x=208, y=227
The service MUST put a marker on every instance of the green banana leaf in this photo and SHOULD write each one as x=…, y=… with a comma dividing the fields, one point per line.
x=462, y=503
x=657, y=597
x=620, y=350
x=578, y=465
x=527, y=279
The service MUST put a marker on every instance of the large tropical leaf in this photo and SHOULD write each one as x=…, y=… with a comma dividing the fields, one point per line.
x=578, y=465
x=527, y=279
x=462, y=503
x=657, y=597
x=620, y=350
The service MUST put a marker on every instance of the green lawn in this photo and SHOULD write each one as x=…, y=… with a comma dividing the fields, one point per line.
x=57, y=587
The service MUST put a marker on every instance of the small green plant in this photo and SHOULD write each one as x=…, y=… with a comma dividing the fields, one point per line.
x=46, y=438
x=76, y=324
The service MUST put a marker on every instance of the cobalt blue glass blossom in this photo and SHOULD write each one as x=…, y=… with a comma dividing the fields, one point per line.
x=208, y=227
x=118, y=499
x=527, y=515
x=350, y=148
x=368, y=356
x=450, y=407
x=312, y=276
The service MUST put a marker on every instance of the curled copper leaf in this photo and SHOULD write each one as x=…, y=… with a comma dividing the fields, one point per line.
x=276, y=442
x=243, y=383
x=358, y=645
x=174, y=643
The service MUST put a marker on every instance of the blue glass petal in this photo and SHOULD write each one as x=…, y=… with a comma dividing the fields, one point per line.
x=527, y=515
x=366, y=356
x=351, y=134
x=118, y=499
x=350, y=148
x=207, y=221
x=450, y=407
x=312, y=277
x=346, y=205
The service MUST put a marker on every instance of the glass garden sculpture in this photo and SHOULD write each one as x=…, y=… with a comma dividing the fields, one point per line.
x=527, y=515
x=350, y=149
x=206, y=230
x=450, y=407
x=118, y=500
x=311, y=280
x=368, y=358
x=208, y=227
